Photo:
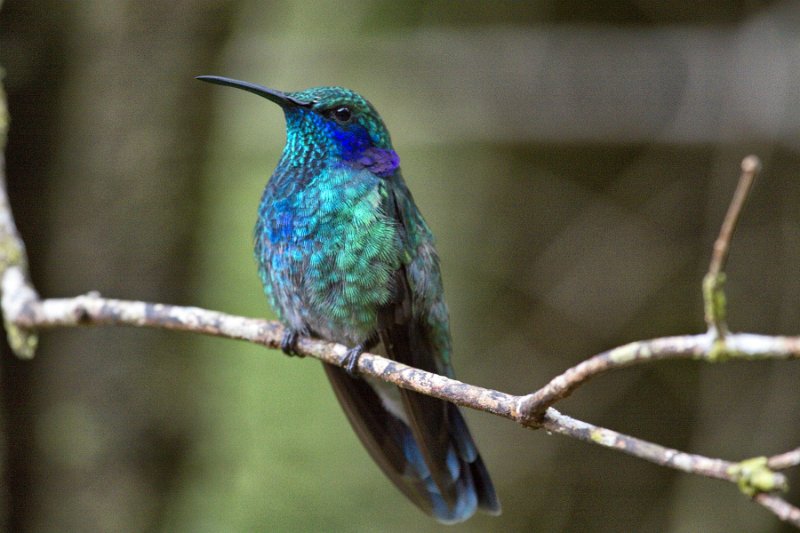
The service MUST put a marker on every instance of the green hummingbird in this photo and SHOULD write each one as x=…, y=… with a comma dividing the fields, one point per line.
x=345, y=255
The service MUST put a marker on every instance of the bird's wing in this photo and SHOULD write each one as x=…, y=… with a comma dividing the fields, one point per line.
x=421, y=339
x=421, y=443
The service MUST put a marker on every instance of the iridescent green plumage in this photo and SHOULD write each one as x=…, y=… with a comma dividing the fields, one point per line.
x=345, y=255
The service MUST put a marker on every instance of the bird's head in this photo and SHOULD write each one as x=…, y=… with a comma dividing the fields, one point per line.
x=333, y=122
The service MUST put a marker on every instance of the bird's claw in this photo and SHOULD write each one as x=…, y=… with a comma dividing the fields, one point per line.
x=350, y=362
x=289, y=343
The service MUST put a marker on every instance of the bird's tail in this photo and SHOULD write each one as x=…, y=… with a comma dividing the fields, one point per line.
x=449, y=482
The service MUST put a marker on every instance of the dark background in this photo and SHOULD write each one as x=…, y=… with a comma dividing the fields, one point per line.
x=575, y=160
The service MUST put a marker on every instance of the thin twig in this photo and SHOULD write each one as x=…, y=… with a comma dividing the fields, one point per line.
x=556, y=422
x=714, y=281
x=782, y=509
x=751, y=166
x=785, y=460
x=701, y=347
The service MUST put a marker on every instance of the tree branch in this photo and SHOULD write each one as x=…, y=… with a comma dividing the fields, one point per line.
x=700, y=347
x=785, y=460
x=93, y=310
x=714, y=281
x=25, y=314
x=13, y=258
x=782, y=509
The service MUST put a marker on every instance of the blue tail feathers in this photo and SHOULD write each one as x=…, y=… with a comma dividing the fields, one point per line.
x=473, y=487
x=464, y=485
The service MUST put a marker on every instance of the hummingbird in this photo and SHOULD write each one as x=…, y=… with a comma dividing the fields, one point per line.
x=344, y=255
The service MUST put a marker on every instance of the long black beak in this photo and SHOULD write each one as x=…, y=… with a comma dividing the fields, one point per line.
x=282, y=99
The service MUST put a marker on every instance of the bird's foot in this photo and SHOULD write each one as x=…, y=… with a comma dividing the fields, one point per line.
x=289, y=343
x=350, y=362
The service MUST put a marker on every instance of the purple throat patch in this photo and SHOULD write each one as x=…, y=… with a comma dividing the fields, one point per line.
x=379, y=161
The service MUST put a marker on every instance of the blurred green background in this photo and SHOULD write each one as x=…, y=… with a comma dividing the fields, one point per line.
x=574, y=160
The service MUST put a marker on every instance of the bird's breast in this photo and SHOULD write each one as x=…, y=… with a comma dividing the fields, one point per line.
x=328, y=254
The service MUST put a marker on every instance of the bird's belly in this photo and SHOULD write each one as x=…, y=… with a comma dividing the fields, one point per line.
x=333, y=282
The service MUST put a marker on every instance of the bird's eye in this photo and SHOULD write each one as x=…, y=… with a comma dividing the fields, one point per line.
x=342, y=114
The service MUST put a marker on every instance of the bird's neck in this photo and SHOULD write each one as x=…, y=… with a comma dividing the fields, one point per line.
x=316, y=143
x=310, y=154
